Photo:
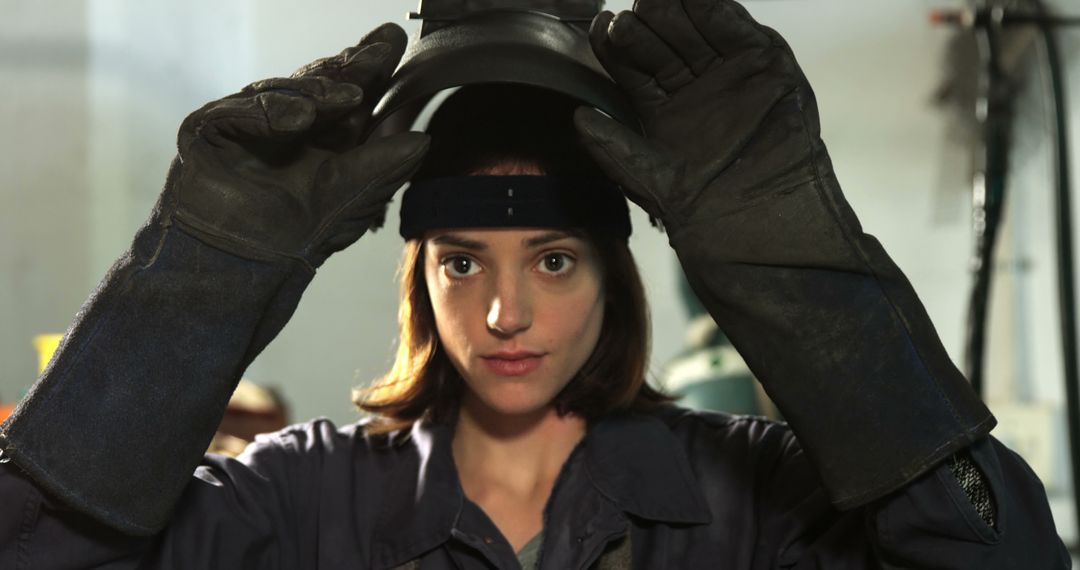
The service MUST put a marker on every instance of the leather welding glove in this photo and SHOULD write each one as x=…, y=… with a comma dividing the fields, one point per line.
x=267, y=184
x=733, y=165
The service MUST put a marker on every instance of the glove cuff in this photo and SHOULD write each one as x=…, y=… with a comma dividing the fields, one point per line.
x=837, y=336
x=118, y=421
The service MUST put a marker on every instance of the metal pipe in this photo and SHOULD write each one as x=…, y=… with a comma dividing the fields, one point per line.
x=1066, y=280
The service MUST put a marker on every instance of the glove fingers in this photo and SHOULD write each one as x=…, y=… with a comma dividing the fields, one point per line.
x=669, y=21
x=367, y=65
x=383, y=47
x=639, y=85
x=648, y=53
x=364, y=68
x=371, y=67
x=726, y=26
x=625, y=157
x=331, y=99
x=343, y=108
x=268, y=116
x=389, y=33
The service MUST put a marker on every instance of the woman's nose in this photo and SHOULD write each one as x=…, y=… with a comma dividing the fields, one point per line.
x=510, y=311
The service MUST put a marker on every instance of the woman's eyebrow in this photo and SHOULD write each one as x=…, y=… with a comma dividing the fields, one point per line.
x=451, y=239
x=548, y=238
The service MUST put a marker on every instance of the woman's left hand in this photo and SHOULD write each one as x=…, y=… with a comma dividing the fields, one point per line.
x=725, y=108
x=732, y=163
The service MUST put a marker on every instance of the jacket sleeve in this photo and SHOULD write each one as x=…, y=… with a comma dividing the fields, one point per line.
x=933, y=522
x=929, y=523
x=233, y=513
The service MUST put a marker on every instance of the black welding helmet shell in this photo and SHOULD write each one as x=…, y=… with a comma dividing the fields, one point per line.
x=540, y=44
x=488, y=142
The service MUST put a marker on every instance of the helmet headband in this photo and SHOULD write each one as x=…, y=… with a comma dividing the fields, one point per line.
x=514, y=202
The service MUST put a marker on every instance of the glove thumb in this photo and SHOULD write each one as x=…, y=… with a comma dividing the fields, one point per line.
x=379, y=167
x=627, y=158
x=366, y=178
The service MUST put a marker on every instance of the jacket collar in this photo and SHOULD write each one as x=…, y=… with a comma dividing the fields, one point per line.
x=639, y=464
x=635, y=461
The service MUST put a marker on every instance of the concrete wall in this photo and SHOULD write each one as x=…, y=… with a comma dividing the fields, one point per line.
x=44, y=261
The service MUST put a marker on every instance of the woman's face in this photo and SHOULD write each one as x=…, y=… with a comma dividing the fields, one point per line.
x=518, y=311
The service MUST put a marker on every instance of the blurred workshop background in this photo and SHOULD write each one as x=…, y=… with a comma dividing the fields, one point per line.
x=92, y=92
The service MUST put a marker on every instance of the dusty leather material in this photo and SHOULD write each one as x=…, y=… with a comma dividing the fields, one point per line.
x=733, y=164
x=267, y=184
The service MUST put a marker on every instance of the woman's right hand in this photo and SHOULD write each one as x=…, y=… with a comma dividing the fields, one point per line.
x=278, y=170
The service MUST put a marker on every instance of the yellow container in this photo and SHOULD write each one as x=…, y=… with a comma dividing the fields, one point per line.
x=46, y=345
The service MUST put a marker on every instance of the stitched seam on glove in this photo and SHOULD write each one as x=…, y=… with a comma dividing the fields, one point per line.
x=333, y=218
x=61, y=374
x=686, y=220
x=40, y=476
x=843, y=501
x=963, y=436
x=661, y=213
x=199, y=231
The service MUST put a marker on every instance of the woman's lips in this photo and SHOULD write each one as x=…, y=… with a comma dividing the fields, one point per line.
x=513, y=365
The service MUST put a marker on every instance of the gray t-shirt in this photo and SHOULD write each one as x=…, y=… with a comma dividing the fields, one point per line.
x=529, y=554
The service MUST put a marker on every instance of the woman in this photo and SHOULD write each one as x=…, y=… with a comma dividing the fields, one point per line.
x=506, y=417
x=516, y=335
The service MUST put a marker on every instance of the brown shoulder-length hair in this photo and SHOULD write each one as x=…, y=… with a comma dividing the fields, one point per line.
x=494, y=127
x=424, y=384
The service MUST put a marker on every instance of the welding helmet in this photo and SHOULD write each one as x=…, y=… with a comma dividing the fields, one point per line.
x=497, y=53
x=541, y=43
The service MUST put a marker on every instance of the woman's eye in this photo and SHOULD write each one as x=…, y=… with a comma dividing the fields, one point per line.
x=460, y=266
x=556, y=263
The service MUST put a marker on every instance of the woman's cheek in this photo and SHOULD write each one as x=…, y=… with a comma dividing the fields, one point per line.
x=578, y=317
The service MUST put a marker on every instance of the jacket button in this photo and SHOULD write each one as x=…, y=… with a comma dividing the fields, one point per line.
x=489, y=540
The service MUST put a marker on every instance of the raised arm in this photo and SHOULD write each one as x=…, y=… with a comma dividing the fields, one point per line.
x=267, y=184
x=733, y=165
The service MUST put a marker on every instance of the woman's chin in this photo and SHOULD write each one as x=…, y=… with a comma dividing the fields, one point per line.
x=515, y=402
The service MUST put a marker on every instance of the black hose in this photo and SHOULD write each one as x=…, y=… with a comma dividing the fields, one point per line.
x=1066, y=282
x=997, y=95
x=990, y=216
x=988, y=211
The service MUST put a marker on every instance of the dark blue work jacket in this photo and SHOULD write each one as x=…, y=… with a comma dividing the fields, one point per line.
x=676, y=490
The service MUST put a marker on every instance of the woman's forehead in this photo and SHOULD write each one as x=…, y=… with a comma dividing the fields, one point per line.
x=483, y=238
